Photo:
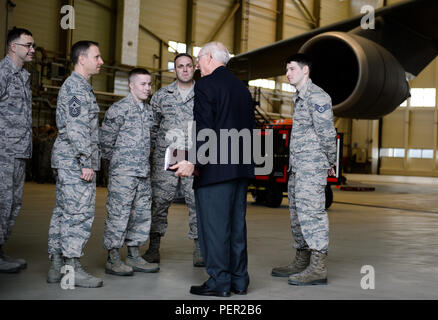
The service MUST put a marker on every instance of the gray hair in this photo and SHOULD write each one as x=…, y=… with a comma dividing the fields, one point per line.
x=218, y=51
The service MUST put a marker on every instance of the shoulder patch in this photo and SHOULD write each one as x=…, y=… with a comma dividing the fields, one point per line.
x=74, y=107
x=322, y=109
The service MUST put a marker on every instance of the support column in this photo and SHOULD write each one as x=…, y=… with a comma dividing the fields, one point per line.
x=128, y=21
x=279, y=25
x=317, y=12
x=279, y=35
x=374, y=146
x=65, y=35
x=3, y=27
x=406, y=136
x=110, y=81
x=435, y=126
x=190, y=25
x=125, y=33
x=113, y=30
x=159, y=82
x=240, y=42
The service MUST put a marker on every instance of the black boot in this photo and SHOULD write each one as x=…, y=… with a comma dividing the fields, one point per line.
x=152, y=255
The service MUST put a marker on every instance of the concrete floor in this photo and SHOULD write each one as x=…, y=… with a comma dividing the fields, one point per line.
x=394, y=229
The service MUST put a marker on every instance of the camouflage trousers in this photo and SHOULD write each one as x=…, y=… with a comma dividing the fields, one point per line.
x=164, y=190
x=12, y=172
x=309, y=220
x=73, y=215
x=129, y=211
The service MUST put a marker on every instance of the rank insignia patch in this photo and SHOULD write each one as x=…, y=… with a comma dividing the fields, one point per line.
x=74, y=107
x=323, y=108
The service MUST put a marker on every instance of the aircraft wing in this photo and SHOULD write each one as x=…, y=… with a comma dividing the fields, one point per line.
x=363, y=70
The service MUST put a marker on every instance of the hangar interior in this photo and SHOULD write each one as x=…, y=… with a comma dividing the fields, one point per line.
x=367, y=229
x=403, y=142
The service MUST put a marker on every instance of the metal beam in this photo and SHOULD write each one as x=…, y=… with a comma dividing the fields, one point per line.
x=225, y=20
x=279, y=34
x=190, y=25
x=317, y=12
x=306, y=11
x=264, y=8
x=113, y=45
x=299, y=19
x=65, y=36
x=4, y=21
x=279, y=22
x=311, y=21
x=103, y=6
x=238, y=28
x=113, y=32
x=160, y=66
x=277, y=12
x=156, y=37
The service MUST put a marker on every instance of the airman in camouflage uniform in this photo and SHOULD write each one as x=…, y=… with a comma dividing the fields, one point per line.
x=172, y=113
x=312, y=155
x=75, y=158
x=15, y=136
x=125, y=142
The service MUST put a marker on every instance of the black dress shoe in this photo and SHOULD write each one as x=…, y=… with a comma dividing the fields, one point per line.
x=239, y=292
x=203, y=290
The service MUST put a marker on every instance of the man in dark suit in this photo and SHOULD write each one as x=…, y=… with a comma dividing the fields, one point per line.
x=223, y=108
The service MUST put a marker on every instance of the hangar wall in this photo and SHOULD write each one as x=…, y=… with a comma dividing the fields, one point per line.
x=42, y=18
x=413, y=128
x=407, y=128
x=166, y=20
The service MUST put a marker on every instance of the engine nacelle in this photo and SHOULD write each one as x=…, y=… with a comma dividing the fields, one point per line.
x=363, y=79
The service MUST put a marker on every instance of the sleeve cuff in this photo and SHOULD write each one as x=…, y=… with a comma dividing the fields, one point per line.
x=84, y=162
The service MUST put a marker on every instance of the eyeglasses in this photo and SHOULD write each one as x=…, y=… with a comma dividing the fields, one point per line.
x=27, y=45
x=199, y=56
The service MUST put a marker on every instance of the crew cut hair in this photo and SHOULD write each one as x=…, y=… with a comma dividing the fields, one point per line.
x=300, y=58
x=137, y=71
x=182, y=55
x=16, y=33
x=81, y=48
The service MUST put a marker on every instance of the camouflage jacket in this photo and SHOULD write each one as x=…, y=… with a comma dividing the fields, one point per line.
x=15, y=110
x=125, y=138
x=313, y=137
x=171, y=117
x=77, y=144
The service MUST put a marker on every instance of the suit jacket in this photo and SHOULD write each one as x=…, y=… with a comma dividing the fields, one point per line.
x=222, y=103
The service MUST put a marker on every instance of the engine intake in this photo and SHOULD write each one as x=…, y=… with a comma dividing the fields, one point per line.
x=363, y=79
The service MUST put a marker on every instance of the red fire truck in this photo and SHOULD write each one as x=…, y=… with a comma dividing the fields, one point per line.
x=270, y=189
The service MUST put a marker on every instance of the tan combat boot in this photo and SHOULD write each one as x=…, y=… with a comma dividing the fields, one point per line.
x=137, y=263
x=115, y=265
x=315, y=273
x=152, y=255
x=300, y=263
x=198, y=261
x=81, y=277
x=9, y=267
x=6, y=259
x=54, y=275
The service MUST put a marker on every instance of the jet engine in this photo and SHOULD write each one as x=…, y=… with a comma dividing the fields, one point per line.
x=363, y=79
